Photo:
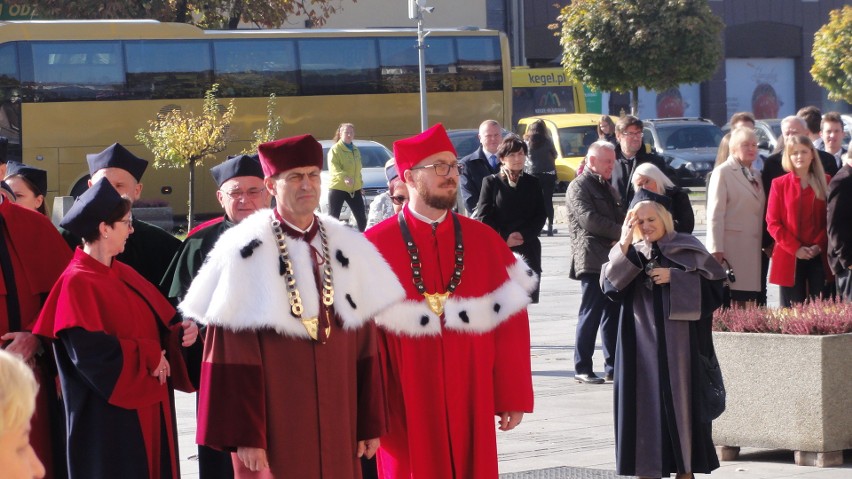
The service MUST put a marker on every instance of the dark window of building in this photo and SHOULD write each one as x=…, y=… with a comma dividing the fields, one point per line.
x=339, y=66
x=168, y=69
x=70, y=71
x=256, y=68
x=480, y=65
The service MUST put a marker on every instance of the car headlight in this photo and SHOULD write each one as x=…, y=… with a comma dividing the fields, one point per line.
x=689, y=166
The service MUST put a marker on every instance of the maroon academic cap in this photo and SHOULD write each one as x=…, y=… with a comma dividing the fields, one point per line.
x=288, y=153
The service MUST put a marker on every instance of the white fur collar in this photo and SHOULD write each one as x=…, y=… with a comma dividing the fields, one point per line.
x=470, y=315
x=240, y=287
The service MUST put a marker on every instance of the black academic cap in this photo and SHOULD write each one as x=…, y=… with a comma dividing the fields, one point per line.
x=91, y=208
x=234, y=166
x=36, y=176
x=117, y=156
x=4, y=149
x=648, y=195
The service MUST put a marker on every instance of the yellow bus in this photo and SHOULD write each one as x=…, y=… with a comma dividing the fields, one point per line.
x=544, y=91
x=69, y=88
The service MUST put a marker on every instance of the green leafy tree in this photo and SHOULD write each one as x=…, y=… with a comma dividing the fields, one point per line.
x=270, y=131
x=832, y=54
x=204, y=13
x=180, y=139
x=622, y=45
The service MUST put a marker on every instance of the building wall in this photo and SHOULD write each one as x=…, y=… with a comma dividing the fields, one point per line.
x=394, y=13
x=760, y=29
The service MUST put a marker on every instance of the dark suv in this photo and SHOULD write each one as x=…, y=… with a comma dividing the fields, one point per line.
x=688, y=145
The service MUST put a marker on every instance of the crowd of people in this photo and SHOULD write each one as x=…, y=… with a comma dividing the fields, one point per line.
x=317, y=350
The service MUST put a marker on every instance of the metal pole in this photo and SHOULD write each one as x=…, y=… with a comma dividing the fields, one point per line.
x=421, y=57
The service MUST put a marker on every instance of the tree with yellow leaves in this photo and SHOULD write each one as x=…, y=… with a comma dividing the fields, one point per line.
x=268, y=132
x=832, y=68
x=180, y=139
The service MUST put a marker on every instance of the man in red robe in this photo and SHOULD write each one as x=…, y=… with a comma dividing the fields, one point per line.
x=456, y=352
x=290, y=380
x=32, y=256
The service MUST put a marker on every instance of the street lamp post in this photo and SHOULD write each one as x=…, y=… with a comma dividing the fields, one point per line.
x=415, y=12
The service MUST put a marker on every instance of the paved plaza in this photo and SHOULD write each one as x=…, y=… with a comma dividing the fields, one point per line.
x=570, y=434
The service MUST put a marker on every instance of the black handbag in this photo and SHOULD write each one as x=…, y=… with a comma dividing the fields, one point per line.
x=711, y=388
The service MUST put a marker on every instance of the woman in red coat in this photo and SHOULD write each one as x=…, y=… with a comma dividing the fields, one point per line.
x=795, y=218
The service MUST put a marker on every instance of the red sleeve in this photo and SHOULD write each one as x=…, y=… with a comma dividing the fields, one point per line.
x=232, y=398
x=513, y=389
x=784, y=238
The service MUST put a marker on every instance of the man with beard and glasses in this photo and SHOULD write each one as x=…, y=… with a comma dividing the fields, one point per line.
x=455, y=353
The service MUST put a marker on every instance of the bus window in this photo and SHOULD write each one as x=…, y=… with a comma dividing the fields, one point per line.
x=71, y=71
x=10, y=100
x=399, y=65
x=168, y=69
x=480, y=64
x=441, y=65
x=339, y=66
x=256, y=68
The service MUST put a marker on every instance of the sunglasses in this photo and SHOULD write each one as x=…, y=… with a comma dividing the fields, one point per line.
x=399, y=199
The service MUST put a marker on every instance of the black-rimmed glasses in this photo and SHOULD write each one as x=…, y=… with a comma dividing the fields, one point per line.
x=441, y=169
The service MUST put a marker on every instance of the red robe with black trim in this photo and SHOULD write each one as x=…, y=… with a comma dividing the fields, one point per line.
x=446, y=377
x=38, y=255
x=110, y=326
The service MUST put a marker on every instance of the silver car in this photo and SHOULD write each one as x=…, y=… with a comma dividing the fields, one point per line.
x=374, y=155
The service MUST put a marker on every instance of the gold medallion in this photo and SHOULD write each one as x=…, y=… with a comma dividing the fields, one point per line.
x=436, y=301
x=312, y=326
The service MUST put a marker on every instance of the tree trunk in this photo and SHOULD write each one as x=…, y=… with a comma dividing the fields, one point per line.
x=634, y=102
x=236, y=14
x=191, y=194
x=181, y=11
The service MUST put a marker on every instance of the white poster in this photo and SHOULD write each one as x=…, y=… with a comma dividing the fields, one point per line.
x=682, y=101
x=763, y=86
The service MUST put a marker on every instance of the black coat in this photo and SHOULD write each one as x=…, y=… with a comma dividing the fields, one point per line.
x=682, y=214
x=475, y=169
x=840, y=220
x=624, y=187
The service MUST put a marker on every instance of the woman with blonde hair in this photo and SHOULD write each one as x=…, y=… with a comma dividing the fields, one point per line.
x=648, y=176
x=344, y=167
x=796, y=219
x=735, y=207
x=18, y=390
x=668, y=286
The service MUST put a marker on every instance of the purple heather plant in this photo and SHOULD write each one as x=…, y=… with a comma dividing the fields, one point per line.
x=818, y=317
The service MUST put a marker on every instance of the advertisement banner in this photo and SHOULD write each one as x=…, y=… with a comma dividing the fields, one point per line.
x=763, y=86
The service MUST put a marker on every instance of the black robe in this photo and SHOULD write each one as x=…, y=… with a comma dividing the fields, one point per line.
x=507, y=209
x=661, y=333
x=149, y=250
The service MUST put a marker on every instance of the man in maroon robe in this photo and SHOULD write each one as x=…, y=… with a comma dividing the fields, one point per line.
x=456, y=352
x=32, y=256
x=290, y=380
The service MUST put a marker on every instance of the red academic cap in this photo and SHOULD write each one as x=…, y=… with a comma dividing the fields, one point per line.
x=288, y=153
x=410, y=151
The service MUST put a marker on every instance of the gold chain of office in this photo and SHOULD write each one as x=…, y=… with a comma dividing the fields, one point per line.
x=293, y=296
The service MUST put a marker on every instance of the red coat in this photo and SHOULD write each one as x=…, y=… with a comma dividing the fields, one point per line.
x=446, y=377
x=789, y=204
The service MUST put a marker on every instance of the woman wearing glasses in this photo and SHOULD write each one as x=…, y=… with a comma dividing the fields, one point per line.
x=390, y=202
x=511, y=203
x=735, y=202
x=668, y=286
x=116, y=349
x=796, y=220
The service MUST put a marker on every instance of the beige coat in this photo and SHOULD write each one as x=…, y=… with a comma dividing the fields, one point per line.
x=735, y=210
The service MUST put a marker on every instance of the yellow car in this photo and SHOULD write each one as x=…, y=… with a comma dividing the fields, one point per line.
x=572, y=134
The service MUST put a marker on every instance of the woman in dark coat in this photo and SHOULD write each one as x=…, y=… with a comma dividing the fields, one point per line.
x=543, y=156
x=658, y=274
x=652, y=178
x=117, y=350
x=511, y=203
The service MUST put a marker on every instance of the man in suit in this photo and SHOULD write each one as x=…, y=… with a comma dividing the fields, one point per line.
x=840, y=229
x=813, y=118
x=831, y=134
x=481, y=163
x=630, y=153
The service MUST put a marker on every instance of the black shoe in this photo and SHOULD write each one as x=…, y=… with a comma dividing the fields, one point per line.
x=608, y=378
x=590, y=378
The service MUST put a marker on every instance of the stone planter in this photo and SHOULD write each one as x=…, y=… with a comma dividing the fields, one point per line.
x=786, y=392
x=159, y=216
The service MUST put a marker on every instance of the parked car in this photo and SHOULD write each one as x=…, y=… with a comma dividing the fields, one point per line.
x=688, y=145
x=572, y=134
x=466, y=140
x=374, y=155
